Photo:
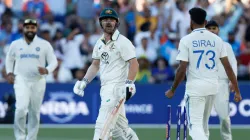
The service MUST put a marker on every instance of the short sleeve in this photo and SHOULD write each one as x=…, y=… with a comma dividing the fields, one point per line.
x=182, y=52
x=95, y=54
x=127, y=51
x=11, y=50
x=10, y=58
x=223, y=50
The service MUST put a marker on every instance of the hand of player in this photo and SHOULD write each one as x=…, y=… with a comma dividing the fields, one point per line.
x=237, y=97
x=79, y=88
x=231, y=87
x=130, y=89
x=169, y=93
x=11, y=78
x=42, y=70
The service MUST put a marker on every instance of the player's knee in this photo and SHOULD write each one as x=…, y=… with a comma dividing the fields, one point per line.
x=223, y=115
x=21, y=111
x=34, y=111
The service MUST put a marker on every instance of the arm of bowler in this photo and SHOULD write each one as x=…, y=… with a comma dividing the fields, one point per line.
x=232, y=78
x=230, y=73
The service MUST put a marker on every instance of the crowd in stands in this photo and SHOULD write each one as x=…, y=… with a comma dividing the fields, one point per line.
x=155, y=27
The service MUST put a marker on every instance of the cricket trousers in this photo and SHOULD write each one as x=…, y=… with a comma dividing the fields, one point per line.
x=198, y=113
x=29, y=97
x=222, y=108
x=119, y=129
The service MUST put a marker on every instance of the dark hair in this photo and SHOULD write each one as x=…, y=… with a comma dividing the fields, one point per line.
x=212, y=23
x=198, y=15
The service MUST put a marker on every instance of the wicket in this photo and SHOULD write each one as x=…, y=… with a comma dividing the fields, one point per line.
x=168, y=126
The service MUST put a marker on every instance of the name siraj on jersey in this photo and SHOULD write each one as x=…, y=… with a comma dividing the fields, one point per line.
x=203, y=43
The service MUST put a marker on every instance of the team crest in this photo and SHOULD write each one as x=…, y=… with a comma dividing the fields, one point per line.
x=105, y=57
x=108, y=12
x=38, y=49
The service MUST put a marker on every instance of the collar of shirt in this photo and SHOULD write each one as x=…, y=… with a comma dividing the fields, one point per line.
x=114, y=36
x=199, y=29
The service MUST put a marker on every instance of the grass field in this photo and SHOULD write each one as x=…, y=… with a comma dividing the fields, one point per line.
x=143, y=134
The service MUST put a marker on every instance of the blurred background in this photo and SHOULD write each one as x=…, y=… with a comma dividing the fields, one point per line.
x=154, y=27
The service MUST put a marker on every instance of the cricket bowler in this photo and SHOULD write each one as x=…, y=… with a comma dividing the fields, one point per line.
x=200, y=53
x=26, y=68
x=114, y=57
x=222, y=97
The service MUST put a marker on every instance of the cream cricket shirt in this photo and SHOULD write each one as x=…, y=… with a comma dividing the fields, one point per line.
x=114, y=56
x=25, y=58
x=203, y=50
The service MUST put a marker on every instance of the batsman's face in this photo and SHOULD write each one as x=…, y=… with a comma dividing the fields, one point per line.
x=109, y=25
x=30, y=31
x=213, y=29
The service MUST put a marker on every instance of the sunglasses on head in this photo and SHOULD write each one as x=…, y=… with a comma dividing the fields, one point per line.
x=30, y=21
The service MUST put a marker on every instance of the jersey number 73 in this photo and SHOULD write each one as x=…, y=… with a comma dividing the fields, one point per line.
x=201, y=52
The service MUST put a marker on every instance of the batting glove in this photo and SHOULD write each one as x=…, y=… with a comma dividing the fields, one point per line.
x=80, y=86
x=130, y=89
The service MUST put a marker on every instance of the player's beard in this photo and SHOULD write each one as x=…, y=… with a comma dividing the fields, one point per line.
x=109, y=29
x=30, y=35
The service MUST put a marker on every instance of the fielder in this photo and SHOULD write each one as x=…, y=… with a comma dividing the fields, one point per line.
x=222, y=98
x=114, y=56
x=28, y=57
x=200, y=53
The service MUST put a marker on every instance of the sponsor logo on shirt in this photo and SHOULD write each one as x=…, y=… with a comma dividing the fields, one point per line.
x=29, y=56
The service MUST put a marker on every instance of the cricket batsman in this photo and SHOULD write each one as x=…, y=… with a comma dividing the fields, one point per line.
x=222, y=98
x=26, y=68
x=114, y=57
x=200, y=54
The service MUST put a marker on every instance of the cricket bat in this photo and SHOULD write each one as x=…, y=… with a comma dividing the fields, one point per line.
x=110, y=118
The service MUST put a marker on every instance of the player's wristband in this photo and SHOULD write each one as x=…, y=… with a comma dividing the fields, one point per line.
x=85, y=80
x=172, y=89
x=129, y=81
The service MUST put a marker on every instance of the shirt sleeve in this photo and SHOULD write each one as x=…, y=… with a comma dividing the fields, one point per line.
x=182, y=52
x=232, y=58
x=10, y=59
x=95, y=54
x=127, y=50
x=51, y=59
x=223, y=50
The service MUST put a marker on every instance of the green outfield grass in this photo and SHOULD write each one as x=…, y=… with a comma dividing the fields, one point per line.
x=143, y=134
